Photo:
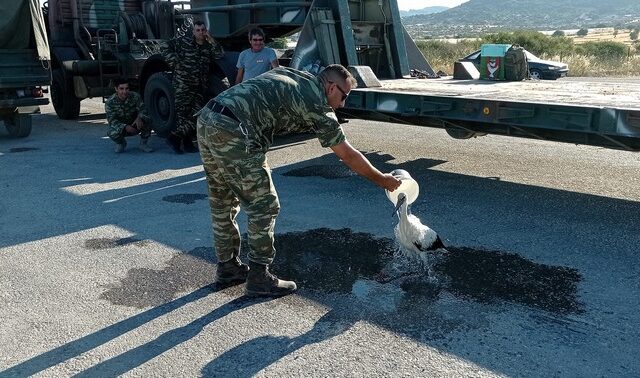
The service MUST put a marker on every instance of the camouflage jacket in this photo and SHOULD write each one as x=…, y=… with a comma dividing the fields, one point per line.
x=189, y=60
x=283, y=100
x=122, y=113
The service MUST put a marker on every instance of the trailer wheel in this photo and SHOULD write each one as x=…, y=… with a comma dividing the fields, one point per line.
x=64, y=100
x=461, y=133
x=160, y=103
x=19, y=125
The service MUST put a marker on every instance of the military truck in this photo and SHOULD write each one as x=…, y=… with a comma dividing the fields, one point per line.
x=24, y=64
x=93, y=41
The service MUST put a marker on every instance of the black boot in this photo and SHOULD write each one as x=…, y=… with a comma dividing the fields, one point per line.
x=231, y=272
x=188, y=145
x=174, y=141
x=260, y=282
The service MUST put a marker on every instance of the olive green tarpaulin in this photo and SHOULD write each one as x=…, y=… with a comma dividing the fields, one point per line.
x=20, y=21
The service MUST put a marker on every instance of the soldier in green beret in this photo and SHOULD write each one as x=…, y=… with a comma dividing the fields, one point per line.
x=235, y=130
x=190, y=56
x=127, y=117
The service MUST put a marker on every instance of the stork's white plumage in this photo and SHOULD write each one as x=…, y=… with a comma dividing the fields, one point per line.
x=413, y=236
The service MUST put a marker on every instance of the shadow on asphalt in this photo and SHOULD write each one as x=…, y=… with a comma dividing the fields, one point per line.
x=330, y=264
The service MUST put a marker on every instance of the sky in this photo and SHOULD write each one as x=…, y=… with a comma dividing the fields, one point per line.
x=419, y=4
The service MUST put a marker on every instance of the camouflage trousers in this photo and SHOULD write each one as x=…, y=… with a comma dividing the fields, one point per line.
x=188, y=100
x=237, y=178
x=118, y=135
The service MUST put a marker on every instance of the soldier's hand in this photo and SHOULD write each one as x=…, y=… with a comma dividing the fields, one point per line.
x=138, y=124
x=390, y=182
x=208, y=36
x=131, y=130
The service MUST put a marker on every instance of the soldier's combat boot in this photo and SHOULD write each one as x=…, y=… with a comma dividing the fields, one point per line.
x=174, y=141
x=144, y=146
x=120, y=147
x=261, y=283
x=231, y=272
x=188, y=145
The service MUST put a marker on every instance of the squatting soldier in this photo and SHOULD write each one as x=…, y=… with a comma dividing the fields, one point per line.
x=235, y=131
x=126, y=117
x=190, y=57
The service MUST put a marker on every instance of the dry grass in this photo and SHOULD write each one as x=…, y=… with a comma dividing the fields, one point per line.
x=442, y=55
x=591, y=66
x=623, y=36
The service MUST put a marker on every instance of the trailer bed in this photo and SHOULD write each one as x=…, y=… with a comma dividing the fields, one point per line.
x=599, y=112
x=620, y=93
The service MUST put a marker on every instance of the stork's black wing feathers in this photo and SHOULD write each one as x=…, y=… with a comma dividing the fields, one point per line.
x=435, y=245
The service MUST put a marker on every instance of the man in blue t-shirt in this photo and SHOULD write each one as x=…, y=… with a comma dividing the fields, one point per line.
x=257, y=59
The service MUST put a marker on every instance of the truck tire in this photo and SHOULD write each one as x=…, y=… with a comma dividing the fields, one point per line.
x=19, y=125
x=160, y=103
x=64, y=100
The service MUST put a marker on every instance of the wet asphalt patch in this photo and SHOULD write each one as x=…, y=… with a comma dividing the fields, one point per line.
x=106, y=243
x=359, y=264
x=186, y=198
x=345, y=258
x=22, y=149
x=490, y=275
x=144, y=287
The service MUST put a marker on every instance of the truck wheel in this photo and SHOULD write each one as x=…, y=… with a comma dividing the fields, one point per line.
x=64, y=100
x=160, y=103
x=19, y=125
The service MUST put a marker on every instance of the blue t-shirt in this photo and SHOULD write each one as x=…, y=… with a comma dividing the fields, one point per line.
x=255, y=63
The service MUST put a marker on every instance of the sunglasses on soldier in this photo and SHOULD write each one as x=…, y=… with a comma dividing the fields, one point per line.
x=344, y=94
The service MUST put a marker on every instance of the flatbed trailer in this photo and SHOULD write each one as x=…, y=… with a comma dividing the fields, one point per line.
x=593, y=112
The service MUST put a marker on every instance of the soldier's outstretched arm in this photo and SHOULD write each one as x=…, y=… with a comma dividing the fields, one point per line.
x=361, y=165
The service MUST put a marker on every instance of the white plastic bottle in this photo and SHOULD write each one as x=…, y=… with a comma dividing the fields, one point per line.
x=409, y=187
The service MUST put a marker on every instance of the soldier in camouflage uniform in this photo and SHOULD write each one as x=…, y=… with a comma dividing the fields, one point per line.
x=235, y=131
x=190, y=57
x=126, y=117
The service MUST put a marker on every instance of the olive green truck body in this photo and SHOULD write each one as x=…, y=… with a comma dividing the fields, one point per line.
x=94, y=41
x=24, y=64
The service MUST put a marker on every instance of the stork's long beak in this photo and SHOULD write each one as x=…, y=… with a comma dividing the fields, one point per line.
x=401, y=200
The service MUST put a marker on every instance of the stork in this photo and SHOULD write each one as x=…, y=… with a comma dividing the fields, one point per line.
x=414, y=236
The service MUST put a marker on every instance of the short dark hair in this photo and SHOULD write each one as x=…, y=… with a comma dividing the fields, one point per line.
x=256, y=31
x=119, y=81
x=199, y=23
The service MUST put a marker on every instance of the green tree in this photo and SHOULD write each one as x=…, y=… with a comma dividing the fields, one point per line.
x=604, y=50
x=558, y=33
x=582, y=32
x=536, y=42
x=634, y=34
x=278, y=43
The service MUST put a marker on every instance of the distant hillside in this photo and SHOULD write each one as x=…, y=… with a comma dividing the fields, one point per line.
x=427, y=10
x=478, y=16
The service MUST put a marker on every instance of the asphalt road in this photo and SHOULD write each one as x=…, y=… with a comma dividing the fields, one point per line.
x=106, y=260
